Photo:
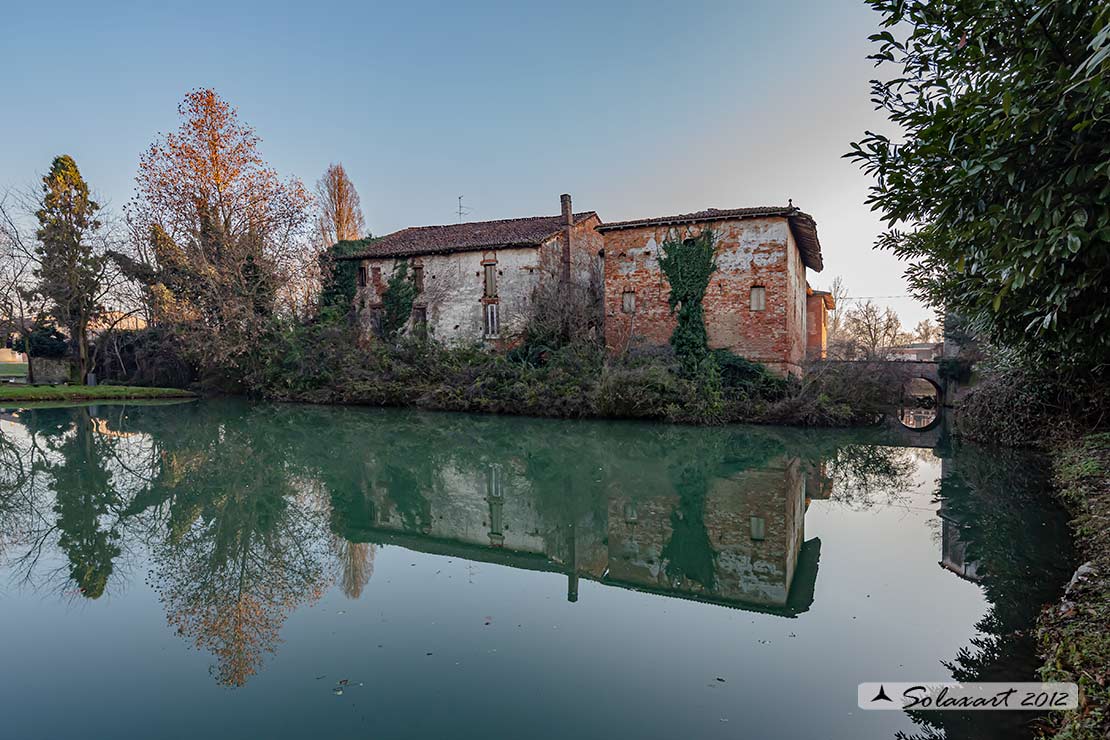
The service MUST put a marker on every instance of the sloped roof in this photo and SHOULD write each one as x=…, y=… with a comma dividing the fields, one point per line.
x=510, y=232
x=802, y=224
x=826, y=297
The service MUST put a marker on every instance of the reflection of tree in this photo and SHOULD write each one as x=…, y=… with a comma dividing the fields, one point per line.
x=244, y=549
x=1012, y=532
x=866, y=475
x=688, y=554
x=69, y=473
x=356, y=561
x=85, y=495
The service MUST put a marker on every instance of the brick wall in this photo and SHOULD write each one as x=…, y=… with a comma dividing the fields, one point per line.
x=816, y=327
x=750, y=253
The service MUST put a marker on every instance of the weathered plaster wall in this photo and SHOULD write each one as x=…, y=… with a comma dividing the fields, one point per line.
x=750, y=252
x=796, y=305
x=454, y=288
x=454, y=291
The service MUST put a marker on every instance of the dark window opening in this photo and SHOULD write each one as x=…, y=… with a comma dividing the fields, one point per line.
x=362, y=276
x=490, y=281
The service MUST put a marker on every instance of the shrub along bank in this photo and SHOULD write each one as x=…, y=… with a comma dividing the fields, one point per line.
x=1074, y=635
x=1064, y=411
x=327, y=363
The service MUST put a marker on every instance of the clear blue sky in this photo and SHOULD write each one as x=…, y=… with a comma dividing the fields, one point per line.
x=635, y=108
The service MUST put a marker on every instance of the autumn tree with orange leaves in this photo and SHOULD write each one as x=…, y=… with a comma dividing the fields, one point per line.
x=217, y=235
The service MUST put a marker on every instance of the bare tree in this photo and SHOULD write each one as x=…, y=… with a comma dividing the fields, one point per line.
x=17, y=262
x=223, y=234
x=339, y=211
x=835, y=323
x=926, y=331
x=872, y=329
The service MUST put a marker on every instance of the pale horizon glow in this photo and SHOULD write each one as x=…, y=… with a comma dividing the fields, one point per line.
x=636, y=109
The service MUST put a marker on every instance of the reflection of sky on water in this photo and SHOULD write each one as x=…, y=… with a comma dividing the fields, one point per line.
x=557, y=573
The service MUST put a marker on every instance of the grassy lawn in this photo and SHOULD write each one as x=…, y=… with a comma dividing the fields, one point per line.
x=29, y=393
x=13, y=369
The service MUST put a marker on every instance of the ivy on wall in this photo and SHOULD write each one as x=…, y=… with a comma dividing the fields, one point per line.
x=397, y=300
x=339, y=285
x=688, y=265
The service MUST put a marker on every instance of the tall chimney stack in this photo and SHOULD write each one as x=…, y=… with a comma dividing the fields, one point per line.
x=568, y=224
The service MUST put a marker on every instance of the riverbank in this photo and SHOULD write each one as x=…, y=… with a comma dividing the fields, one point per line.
x=1074, y=634
x=575, y=380
x=35, y=393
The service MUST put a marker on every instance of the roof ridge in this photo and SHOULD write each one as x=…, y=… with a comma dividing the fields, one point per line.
x=577, y=216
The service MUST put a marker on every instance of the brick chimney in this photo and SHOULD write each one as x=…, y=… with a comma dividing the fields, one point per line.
x=568, y=224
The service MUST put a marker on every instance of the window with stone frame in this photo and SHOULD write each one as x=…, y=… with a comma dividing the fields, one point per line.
x=758, y=298
x=418, y=278
x=493, y=320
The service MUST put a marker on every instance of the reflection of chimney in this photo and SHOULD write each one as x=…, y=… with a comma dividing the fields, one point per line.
x=568, y=224
x=572, y=588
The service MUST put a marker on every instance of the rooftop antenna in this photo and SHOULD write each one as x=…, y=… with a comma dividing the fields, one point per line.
x=462, y=210
x=789, y=202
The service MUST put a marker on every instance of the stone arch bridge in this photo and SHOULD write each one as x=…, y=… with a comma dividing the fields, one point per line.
x=901, y=371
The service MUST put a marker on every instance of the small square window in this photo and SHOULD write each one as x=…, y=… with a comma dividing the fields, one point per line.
x=759, y=298
x=628, y=301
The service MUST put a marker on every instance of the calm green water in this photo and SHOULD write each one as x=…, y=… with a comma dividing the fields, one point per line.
x=219, y=569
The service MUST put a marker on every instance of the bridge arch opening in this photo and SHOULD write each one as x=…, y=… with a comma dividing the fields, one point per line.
x=920, y=404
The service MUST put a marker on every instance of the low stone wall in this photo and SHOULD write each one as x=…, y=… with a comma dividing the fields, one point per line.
x=50, y=371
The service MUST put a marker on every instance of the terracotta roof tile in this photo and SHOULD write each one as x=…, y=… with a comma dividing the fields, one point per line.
x=511, y=232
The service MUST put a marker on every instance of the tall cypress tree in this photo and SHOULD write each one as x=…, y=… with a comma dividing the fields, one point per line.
x=70, y=273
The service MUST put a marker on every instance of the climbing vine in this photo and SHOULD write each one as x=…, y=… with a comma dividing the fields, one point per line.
x=397, y=300
x=688, y=265
x=340, y=276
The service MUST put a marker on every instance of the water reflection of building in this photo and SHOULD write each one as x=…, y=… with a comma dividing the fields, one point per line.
x=731, y=538
x=953, y=542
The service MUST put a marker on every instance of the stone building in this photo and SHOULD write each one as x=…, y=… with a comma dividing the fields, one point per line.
x=756, y=304
x=476, y=281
